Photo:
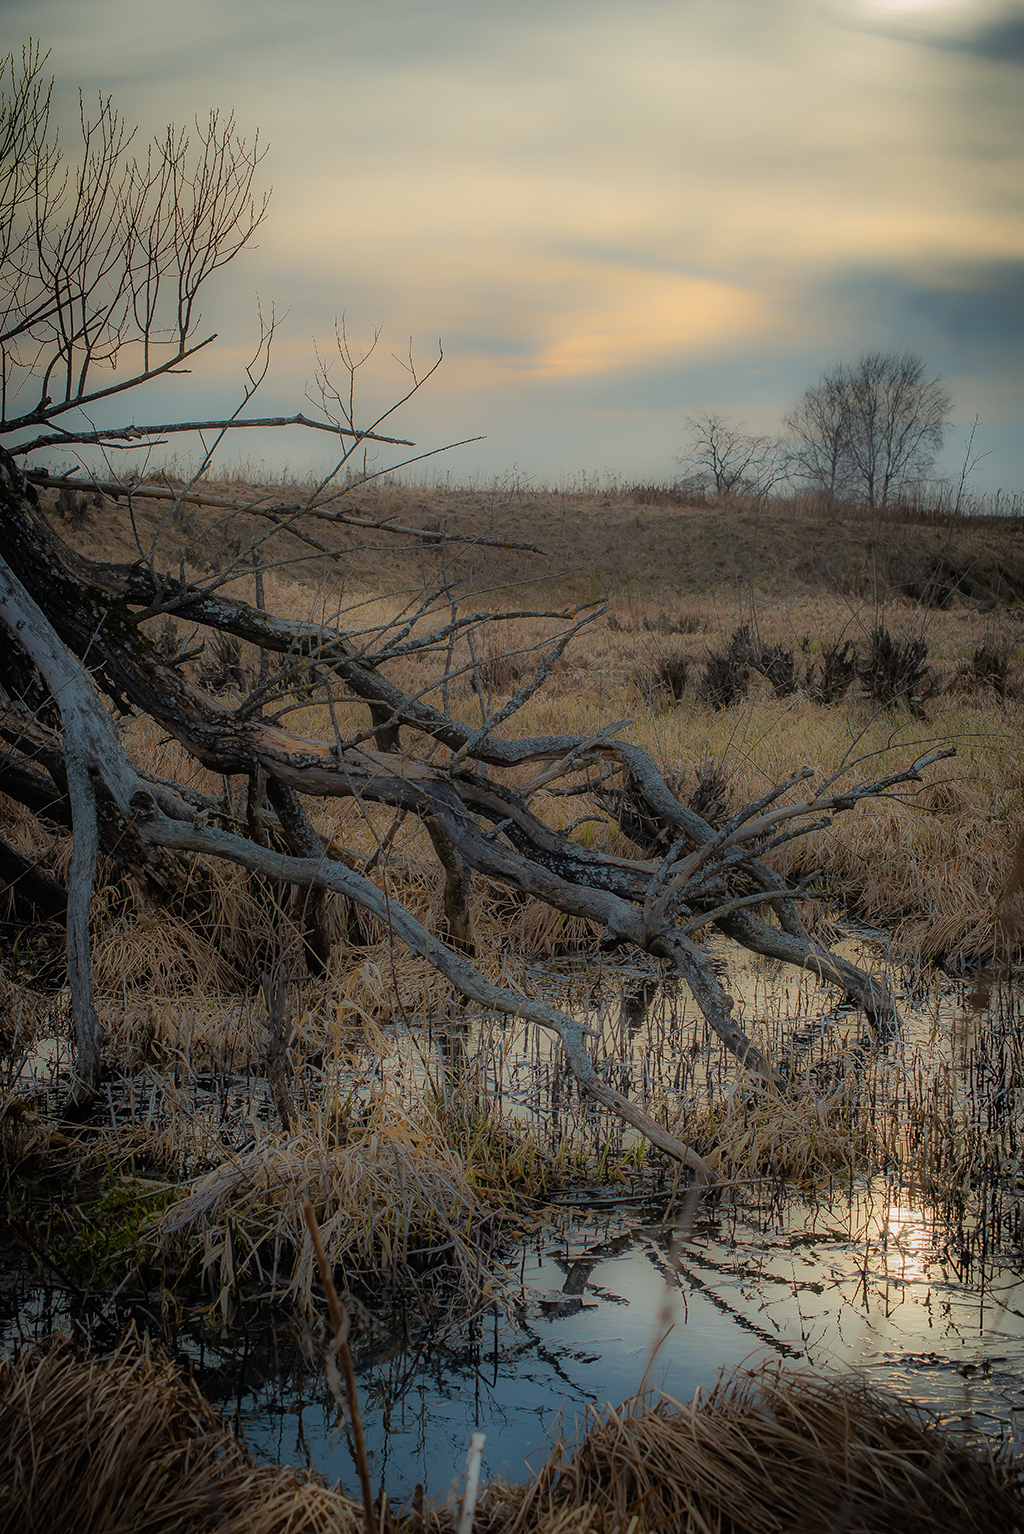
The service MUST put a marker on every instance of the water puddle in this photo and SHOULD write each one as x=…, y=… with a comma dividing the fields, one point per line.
x=855, y=1280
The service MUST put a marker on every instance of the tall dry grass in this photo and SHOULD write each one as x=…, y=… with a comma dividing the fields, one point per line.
x=394, y=1198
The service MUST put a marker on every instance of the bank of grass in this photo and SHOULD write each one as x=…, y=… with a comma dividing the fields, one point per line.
x=415, y=1198
x=595, y=541
x=128, y=1442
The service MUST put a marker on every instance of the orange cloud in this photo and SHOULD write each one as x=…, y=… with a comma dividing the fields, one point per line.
x=640, y=317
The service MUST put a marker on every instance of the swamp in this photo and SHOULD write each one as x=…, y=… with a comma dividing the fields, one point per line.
x=511, y=1011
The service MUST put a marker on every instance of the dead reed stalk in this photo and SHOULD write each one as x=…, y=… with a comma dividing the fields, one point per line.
x=339, y=1345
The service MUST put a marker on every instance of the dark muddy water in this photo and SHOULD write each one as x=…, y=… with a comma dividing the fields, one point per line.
x=607, y=1297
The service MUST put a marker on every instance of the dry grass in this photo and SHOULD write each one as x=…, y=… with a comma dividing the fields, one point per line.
x=392, y=1196
x=767, y=1453
x=613, y=540
x=126, y=1445
x=816, y=1131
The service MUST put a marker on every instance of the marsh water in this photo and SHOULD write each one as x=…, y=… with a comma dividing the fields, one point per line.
x=616, y=1288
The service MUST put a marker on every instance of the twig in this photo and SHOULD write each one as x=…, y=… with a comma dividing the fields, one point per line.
x=339, y=1345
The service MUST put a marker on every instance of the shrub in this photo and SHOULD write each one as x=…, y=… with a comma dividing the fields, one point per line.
x=894, y=669
x=777, y=665
x=72, y=507
x=223, y=670
x=988, y=667
x=836, y=673
x=502, y=673
x=726, y=674
x=664, y=681
x=712, y=794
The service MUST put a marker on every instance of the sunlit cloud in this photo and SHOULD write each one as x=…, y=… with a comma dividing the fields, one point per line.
x=641, y=317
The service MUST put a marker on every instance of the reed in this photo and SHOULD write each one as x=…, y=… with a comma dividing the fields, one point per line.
x=395, y=1203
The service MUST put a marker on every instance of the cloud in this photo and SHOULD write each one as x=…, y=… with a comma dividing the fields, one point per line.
x=671, y=204
x=990, y=31
x=1002, y=42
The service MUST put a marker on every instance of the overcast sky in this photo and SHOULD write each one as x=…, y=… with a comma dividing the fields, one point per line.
x=612, y=214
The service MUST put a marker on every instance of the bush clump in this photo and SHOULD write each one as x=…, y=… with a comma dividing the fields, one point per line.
x=894, y=670
x=726, y=673
x=223, y=670
x=989, y=666
x=831, y=680
x=778, y=666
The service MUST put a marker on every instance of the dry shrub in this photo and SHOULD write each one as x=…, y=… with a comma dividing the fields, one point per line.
x=189, y=1032
x=835, y=675
x=663, y=682
x=392, y=1197
x=764, y=1453
x=711, y=795
x=894, y=669
x=777, y=664
x=71, y=507
x=988, y=667
x=28, y=1140
x=726, y=674
x=660, y=495
x=158, y=953
x=223, y=669
x=923, y=873
x=503, y=673
x=21, y=1010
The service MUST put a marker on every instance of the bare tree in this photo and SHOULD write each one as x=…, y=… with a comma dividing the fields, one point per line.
x=872, y=430
x=728, y=459
x=819, y=427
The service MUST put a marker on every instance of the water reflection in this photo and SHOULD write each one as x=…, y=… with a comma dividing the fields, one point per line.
x=858, y=1279
x=851, y=1281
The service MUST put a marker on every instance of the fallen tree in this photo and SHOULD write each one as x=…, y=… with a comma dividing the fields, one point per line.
x=79, y=623
x=126, y=263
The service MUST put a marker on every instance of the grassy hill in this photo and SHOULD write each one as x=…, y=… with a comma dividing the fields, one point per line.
x=640, y=547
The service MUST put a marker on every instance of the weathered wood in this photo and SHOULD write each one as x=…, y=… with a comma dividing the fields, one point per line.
x=33, y=892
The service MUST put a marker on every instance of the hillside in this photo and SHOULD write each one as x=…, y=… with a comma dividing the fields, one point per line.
x=596, y=545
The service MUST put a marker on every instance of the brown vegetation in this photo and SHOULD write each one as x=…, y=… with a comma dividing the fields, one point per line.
x=650, y=556
x=127, y=1443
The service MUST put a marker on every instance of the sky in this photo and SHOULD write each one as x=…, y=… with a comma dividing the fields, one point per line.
x=613, y=215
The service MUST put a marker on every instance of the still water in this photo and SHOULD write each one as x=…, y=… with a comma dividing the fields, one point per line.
x=854, y=1281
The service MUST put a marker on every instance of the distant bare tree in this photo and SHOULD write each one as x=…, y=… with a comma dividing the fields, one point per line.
x=870, y=431
x=819, y=426
x=728, y=458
